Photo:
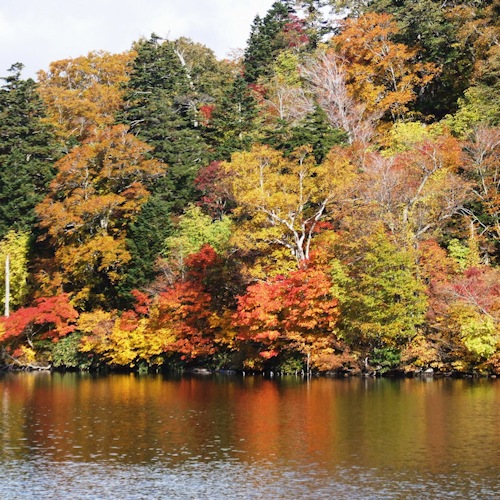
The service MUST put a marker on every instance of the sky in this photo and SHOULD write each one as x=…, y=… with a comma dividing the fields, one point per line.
x=38, y=32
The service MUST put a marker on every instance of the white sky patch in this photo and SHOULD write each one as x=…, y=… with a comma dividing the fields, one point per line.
x=38, y=32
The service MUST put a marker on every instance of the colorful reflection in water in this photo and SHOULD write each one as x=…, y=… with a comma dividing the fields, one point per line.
x=81, y=436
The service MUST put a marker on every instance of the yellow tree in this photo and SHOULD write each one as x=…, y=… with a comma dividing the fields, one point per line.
x=126, y=340
x=14, y=261
x=381, y=73
x=283, y=200
x=84, y=93
x=97, y=193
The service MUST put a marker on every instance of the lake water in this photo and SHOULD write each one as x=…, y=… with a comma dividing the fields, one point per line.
x=231, y=437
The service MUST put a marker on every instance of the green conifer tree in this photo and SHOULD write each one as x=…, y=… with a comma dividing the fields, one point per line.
x=233, y=125
x=158, y=111
x=265, y=42
x=27, y=152
x=145, y=241
x=313, y=130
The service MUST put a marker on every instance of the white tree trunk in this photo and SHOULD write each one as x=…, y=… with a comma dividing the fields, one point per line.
x=7, y=285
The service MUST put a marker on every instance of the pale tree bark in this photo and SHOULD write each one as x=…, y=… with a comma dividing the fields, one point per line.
x=289, y=102
x=326, y=75
x=482, y=164
x=7, y=286
x=414, y=194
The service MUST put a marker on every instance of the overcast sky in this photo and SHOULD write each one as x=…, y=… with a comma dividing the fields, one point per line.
x=37, y=32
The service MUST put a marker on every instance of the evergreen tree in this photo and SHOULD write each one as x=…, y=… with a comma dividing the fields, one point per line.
x=315, y=18
x=27, y=152
x=266, y=41
x=313, y=130
x=161, y=101
x=233, y=124
x=158, y=111
x=145, y=241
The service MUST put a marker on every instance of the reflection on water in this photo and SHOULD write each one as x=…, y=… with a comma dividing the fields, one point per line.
x=79, y=436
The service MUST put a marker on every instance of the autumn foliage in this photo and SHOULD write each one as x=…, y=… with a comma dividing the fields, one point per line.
x=297, y=312
x=329, y=201
x=85, y=93
x=50, y=318
x=379, y=72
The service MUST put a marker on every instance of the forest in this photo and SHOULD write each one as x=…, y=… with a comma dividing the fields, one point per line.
x=325, y=200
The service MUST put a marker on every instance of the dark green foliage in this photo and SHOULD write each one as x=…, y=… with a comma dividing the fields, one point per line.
x=266, y=41
x=159, y=111
x=385, y=359
x=146, y=238
x=224, y=282
x=313, y=130
x=179, y=146
x=156, y=67
x=27, y=152
x=290, y=363
x=232, y=126
x=66, y=355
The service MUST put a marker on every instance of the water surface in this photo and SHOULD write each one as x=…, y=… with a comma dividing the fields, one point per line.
x=80, y=436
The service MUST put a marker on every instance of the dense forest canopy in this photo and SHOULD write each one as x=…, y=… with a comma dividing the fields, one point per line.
x=330, y=200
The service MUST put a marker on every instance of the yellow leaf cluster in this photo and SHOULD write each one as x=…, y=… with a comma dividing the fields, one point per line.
x=123, y=342
x=384, y=74
x=281, y=200
x=84, y=93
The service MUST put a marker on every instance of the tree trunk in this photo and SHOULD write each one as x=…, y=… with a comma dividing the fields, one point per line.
x=7, y=286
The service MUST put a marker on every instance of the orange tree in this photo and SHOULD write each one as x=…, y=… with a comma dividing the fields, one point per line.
x=380, y=72
x=97, y=192
x=84, y=93
x=296, y=313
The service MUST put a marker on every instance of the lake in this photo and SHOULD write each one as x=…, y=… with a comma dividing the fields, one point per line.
x=203, y=437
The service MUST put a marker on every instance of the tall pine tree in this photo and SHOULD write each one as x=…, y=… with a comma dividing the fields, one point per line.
x=27, y=152
x=232, y=126
x=266, y=41
x=313, y=130
x=158, y=111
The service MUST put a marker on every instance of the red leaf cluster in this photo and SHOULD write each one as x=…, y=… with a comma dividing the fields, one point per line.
x=50, y=318
x=288, y=309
